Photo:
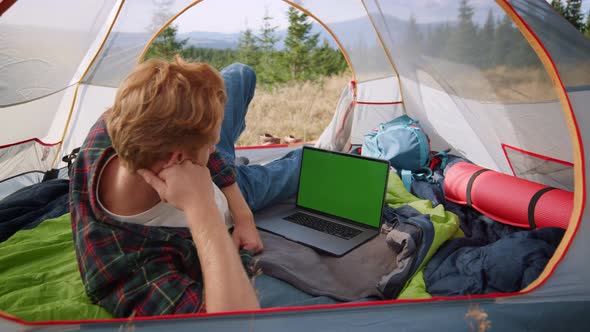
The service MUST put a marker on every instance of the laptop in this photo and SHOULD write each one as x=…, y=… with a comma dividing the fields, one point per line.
x=339, y=202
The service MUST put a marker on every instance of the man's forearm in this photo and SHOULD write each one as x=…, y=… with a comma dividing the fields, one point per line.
x=238, y=207
x=227, y=286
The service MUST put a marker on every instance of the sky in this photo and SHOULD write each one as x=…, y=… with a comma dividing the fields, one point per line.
x=221, y=15
x=249, y=14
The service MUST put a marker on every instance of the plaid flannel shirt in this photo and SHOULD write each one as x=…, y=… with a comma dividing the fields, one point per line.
x=129, y=268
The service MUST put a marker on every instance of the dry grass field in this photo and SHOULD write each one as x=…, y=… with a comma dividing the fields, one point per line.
x=299, y=109
x=515, y=85
x=305, y=109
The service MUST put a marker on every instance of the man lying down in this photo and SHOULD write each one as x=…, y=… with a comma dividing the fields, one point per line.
x=155, y=188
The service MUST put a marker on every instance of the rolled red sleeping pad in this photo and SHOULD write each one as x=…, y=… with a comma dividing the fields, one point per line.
x=508, y=199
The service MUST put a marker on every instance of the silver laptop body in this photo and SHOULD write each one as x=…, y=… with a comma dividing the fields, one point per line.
x=340, y=234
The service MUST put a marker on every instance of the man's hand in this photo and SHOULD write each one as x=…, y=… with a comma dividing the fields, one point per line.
x=185, y=185
x=189, y=187
x=246, y=236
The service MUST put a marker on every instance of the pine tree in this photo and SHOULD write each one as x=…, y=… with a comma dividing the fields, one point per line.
x=299, y=44
x=268, y=71
x=248, y=48
x=438, y=38
x=414, y=37
x=162, y=12
x=503, y=43
x=510, y=48
x=328, y=61
x=489, y=28
x=486, y=38
x=587, y=27
x=465, y=14
x=463, y=43
x=215, y=57
x=573, y=13
x=166, y=46
x=267, y=38
x=558, y=6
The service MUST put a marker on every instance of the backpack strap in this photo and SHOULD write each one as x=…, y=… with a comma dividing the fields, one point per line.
x=69, y=158
x=406, y=176
x=54, y=172
x=50, y=175
x=423, y=174
x=439, y=159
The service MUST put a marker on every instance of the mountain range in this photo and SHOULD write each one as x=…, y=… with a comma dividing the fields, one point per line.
x=351, y=31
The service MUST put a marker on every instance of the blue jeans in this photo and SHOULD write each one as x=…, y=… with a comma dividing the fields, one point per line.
x=261, y=185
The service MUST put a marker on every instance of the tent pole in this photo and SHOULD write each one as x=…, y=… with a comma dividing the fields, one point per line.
x=578, y=151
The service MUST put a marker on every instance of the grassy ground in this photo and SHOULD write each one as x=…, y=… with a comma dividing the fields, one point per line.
x=299, y=109
x=515, y=84
x=305, y=109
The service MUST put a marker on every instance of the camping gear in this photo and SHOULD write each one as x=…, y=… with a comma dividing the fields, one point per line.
x=29, y=206
x=347, y=278
x=290, y=139
x=507, y=199
x=410, y=237
x=334, y=212
x=478, y=264
x=269, y=139
x=413, y=235
x=43, y=282
x=522, y=112
x=402, y=141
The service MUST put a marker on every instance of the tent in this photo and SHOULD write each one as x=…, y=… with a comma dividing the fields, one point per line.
x=522, y=116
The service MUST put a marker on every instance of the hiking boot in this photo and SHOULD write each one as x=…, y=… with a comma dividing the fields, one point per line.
x=290, y=139
x=268, y=139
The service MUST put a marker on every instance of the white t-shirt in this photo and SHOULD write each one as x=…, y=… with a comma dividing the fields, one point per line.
x=164, y=214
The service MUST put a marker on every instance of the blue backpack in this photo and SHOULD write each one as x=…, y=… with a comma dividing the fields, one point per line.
x=402, y=141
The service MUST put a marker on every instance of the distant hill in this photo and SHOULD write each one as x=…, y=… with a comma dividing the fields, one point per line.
x=352, y=31
x=217, y=40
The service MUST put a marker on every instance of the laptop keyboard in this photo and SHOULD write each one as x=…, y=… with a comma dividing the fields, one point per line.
x=324, y=226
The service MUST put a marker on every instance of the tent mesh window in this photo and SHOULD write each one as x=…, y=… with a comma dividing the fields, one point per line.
x=25, y=157
x=538, y=168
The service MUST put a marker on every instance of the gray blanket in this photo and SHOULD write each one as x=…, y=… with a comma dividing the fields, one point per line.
x=348, y=278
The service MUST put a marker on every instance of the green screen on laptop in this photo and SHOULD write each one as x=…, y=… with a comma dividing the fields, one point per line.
x=346, y=186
